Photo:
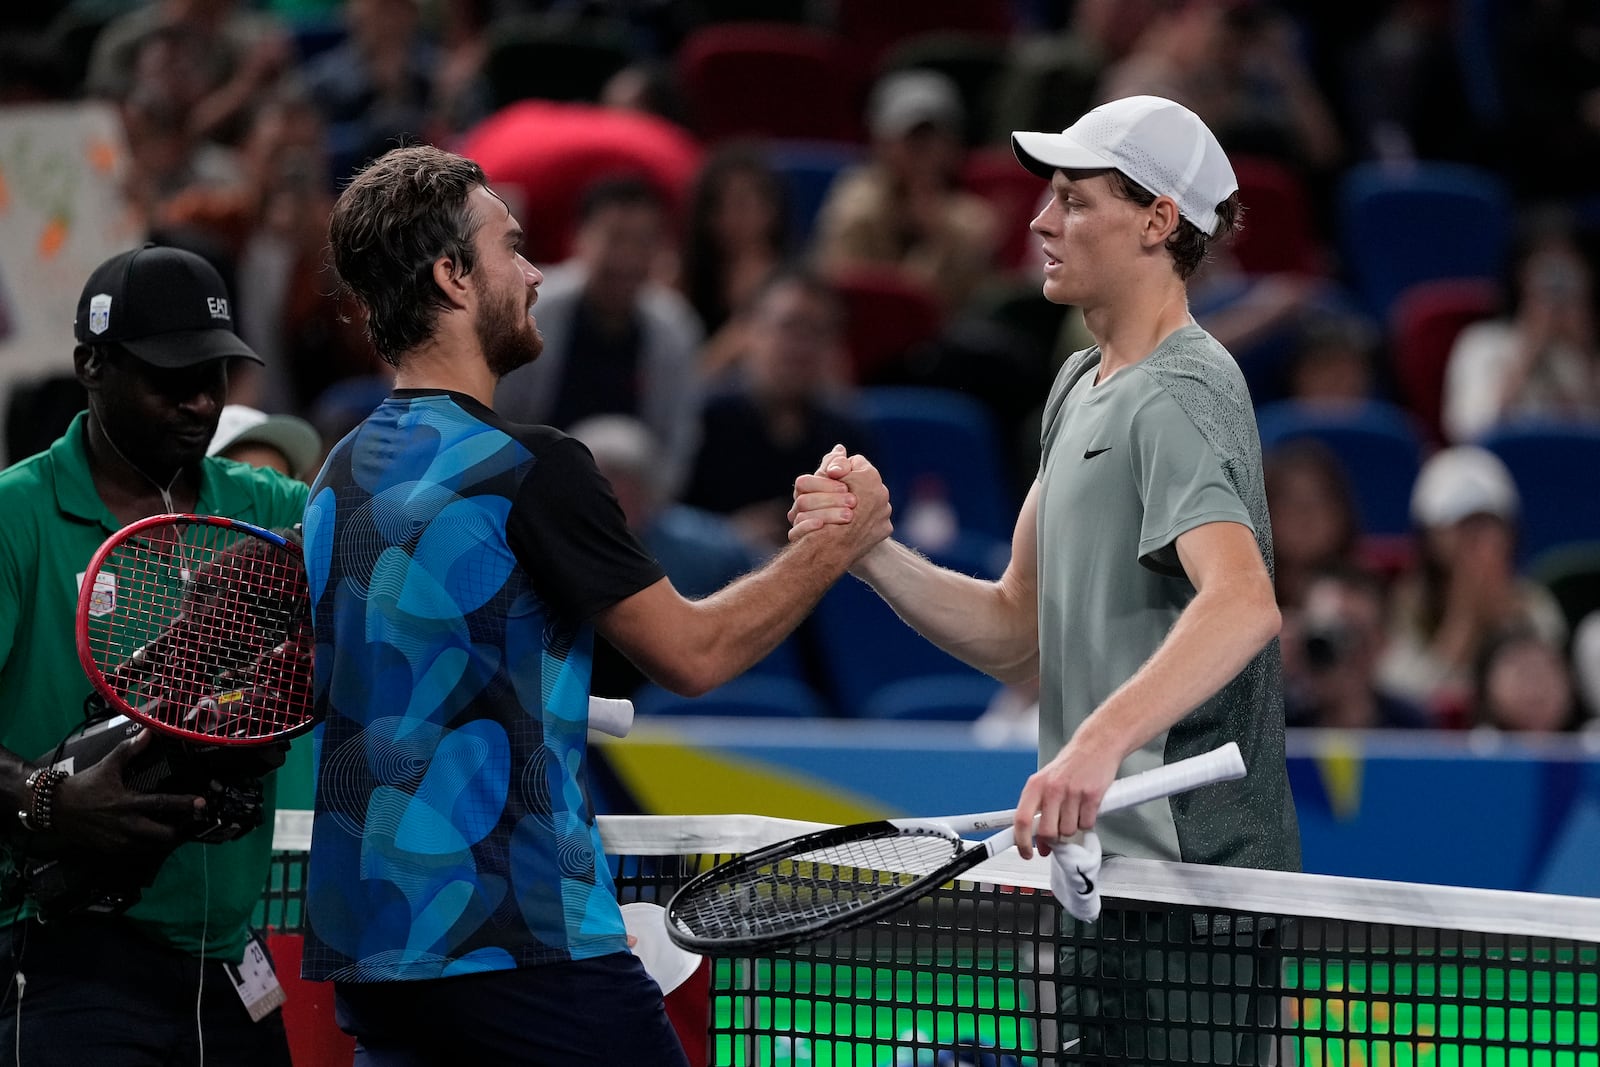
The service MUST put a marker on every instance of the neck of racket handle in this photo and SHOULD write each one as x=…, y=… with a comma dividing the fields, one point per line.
x=1219, y=765
x=613, y=717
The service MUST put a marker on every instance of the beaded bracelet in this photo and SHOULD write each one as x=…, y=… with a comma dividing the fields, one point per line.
x=42, y=785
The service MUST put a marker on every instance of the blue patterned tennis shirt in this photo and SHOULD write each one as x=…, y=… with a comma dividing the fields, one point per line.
x=455, y=562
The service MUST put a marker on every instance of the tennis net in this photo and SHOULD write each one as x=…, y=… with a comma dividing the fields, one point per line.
x=1187, y=965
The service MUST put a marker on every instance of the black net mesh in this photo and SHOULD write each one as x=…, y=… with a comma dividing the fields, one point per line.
x=992, y=975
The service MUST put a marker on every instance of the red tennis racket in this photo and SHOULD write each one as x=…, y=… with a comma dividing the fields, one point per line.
x=200, y=626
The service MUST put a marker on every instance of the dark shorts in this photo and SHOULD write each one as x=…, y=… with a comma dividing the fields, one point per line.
x=1160, y=989
x=605, y=1011
x=96, y=991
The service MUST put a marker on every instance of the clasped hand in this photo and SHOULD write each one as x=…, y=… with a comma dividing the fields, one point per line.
x=844, y=490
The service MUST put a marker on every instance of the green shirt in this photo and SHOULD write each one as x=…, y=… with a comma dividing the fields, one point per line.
x=53, y=521
x=1157, y=449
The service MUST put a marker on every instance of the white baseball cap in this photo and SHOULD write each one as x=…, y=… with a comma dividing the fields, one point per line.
x=906, y=99
x=1158, y=143
x=297, y=439
x=1461, y=481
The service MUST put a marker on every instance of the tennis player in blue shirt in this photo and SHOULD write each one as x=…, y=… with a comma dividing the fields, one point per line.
x=460, y=565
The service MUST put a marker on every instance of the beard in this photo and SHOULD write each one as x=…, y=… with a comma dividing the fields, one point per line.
x=507, y=336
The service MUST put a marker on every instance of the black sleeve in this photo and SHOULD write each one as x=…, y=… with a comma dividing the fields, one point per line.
x=568, y=532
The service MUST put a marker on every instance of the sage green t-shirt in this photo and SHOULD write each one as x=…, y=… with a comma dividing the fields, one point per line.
x=1130, y=464
x=51, y=523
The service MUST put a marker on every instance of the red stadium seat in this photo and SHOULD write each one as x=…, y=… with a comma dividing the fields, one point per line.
x=770, y=80
x=887, y=313
x=1422, y=329
x=1016, y=195
x=547, y=154
x=874, y=26
x=1277, y=236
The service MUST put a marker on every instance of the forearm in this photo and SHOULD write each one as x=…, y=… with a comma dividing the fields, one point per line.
x=1214, y=639
x=990, y=625
x=691, y=647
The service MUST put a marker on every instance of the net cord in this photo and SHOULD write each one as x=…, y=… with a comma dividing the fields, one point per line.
x=1367, y=900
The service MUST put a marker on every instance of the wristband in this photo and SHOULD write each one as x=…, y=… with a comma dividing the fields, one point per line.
x=42, y=785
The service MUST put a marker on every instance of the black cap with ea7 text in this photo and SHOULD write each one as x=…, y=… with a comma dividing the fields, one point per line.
x=167, y=306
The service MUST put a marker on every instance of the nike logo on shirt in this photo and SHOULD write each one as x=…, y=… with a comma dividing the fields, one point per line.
x=1093, y=452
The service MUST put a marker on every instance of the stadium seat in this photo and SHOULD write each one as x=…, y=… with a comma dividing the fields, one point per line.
x=1016, y=196
x=1422, y=329
x=1378, y=444
x=751, y=695
x=1423, y=221
x=1554, y=466
x=547, y=154
x=866, y=648
x=873, y=27
x=936, y=697
x=974, y=65
x=808, y=170
x=1277, y=235
x=753, y=79
x=887, y=314
x=941, y=440
x=543, y=58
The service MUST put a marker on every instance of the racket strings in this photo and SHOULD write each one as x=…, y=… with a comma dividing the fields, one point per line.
x=801, y=890
x=205, y=631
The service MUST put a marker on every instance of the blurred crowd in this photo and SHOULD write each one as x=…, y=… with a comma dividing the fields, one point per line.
x=754, y=216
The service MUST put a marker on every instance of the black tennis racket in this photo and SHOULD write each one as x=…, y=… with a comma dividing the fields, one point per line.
x=833, y=880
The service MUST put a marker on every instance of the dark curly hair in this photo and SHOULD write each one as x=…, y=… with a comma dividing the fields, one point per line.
x=1187, y=244
x=394, y=220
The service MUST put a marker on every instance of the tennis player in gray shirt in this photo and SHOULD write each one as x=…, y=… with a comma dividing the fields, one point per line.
x=1139, y=590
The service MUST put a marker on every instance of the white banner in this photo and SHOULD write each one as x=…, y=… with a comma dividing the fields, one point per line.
x=62, y=212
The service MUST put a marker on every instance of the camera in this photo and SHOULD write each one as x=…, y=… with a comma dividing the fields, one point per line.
x=1326, y=644
x=228, y=777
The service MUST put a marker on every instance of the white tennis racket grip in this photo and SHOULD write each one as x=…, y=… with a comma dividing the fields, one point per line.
x=1221, y=764
x=609, y=716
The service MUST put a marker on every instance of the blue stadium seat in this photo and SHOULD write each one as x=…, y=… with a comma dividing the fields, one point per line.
x=1420, y=222
x=808, y=169
x=1378, y=444
x=943, y=697
x=1554, y=465
x=924, y=435
x=751, y=695
x=866, y=649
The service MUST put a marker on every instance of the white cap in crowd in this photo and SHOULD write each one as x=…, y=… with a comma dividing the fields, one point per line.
x=1457, y=482
x=296, y=439
x=906, y=99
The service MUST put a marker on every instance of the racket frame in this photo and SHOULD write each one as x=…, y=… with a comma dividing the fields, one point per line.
x=1219, y=765
x=97, y=677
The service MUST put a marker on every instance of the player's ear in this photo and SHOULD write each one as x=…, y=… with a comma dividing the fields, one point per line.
x=451, y=280
x=1161, y=221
